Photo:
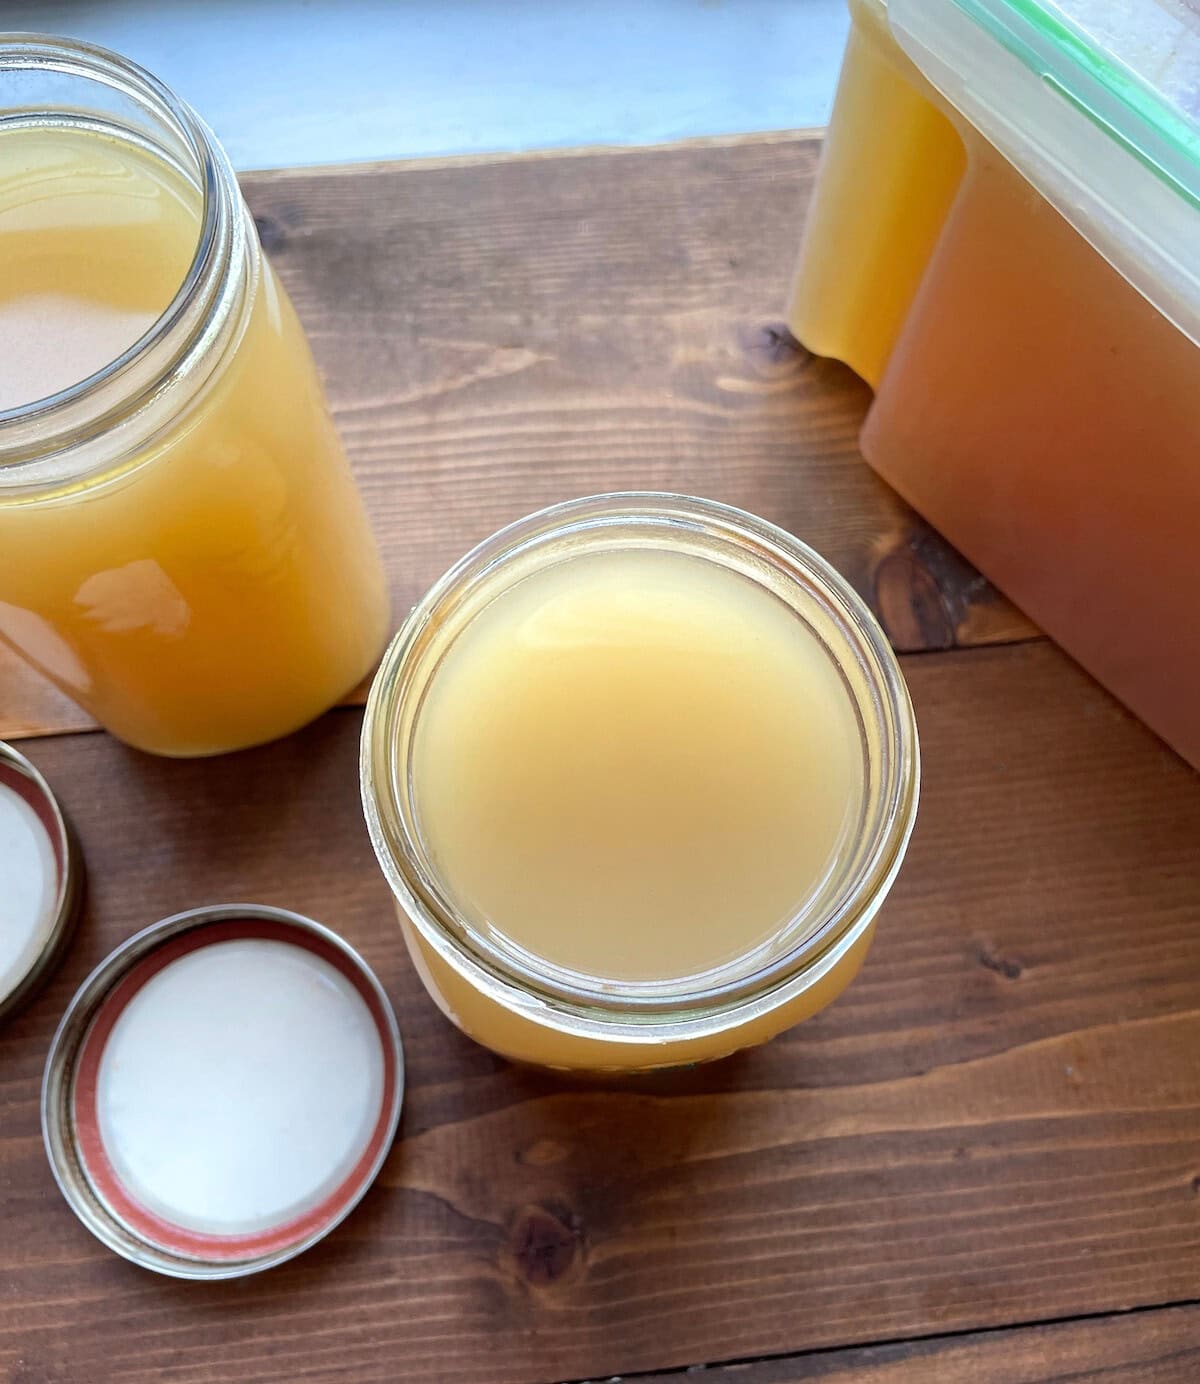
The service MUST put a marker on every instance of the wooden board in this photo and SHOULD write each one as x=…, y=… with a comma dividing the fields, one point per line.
x=997, y=1126
x=998, y=1123
x=499, y=335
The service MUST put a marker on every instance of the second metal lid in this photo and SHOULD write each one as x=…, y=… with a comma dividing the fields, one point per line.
x=41, y=873
x=222, y=1091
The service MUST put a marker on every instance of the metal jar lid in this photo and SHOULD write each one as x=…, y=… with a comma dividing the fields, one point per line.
x=222, y=1091
x=41, y=869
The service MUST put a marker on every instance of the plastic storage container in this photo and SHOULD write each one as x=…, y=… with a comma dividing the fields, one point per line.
x=1005, y=242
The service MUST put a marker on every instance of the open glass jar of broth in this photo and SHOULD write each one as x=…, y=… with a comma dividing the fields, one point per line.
x=182, y=548
x=640, y=771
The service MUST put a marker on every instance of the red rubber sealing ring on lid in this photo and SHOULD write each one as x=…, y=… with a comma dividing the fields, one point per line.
x=100, y=1171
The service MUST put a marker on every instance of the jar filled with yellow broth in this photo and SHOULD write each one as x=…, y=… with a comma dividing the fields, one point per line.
x=640, y=771
x=182, y=547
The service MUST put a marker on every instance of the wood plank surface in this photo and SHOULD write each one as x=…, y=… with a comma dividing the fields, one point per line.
x=499, y=335
x=998, y=1123
x=1160, y=1347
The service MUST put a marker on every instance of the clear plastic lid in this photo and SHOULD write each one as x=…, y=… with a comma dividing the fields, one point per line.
x=1097, y=102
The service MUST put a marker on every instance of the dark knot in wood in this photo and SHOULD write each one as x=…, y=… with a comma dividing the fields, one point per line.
x=544, y=1245
x=910, y=604
x=1005, y=966
x=775, y=343
x=271, y=235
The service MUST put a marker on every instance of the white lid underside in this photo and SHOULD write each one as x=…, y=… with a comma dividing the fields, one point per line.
x=240, y=1086
x=28, y=889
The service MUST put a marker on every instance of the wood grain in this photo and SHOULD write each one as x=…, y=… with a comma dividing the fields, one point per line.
x=497, y=336
x=1139, y=1348
x=999, y=1122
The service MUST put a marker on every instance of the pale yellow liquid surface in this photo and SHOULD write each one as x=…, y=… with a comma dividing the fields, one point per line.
x=637, y=766
x=220, y=586
x=94, y=244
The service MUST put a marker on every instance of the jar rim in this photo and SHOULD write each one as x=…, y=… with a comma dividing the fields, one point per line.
x=454, y=935
x=59, y=421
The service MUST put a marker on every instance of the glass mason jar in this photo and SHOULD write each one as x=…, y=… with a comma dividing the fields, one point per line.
x=182, y=547
x=508, y=999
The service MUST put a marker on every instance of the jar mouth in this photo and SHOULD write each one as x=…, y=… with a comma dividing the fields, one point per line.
x=169, y=128
x=777, y=560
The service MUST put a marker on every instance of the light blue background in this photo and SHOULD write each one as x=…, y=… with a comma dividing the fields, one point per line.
x=295, y=81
